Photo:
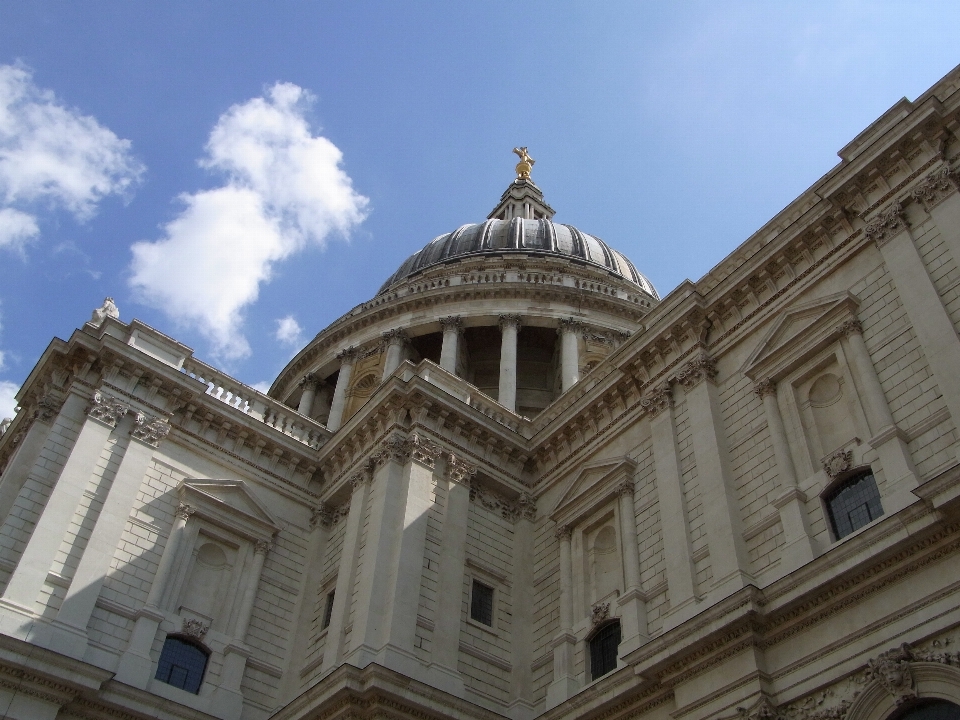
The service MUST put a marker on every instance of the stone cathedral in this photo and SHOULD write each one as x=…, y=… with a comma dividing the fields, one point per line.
x=517, y=483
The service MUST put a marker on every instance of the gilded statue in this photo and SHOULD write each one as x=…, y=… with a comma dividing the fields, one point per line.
x=525, y=165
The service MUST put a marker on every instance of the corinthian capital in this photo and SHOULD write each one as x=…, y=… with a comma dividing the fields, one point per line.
x=107, y=409
x=459, y=471
x=149, y=429
x=658, y=400
x=571, y=325
x=936, y=186
x=851, y=327
x=765, y=387
x=394, y=337
x=310, y=381
x=452, y=323
x=348, y=355
x=509, y=321
x=887, y=225
x=697, y=370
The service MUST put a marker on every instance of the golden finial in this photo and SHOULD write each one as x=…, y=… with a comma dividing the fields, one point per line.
x=525, y=165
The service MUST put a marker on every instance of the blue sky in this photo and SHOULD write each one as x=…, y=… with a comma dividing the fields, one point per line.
x=240, y=174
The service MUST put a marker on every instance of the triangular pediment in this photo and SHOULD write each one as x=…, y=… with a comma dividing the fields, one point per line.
x=593, y=484
x=231, y=503
x=800, y=331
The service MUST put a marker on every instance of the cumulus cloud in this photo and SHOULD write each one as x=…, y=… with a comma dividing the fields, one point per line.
x=283, y=189
x=289, y=331
x=52, y=156
x=7, y=403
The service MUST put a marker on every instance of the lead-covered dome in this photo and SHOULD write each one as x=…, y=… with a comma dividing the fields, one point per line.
x=541, y=237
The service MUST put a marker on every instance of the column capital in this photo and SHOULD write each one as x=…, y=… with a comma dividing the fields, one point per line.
x=697, y=370
x=150, y=429
x=563, y=532
x=459, y=471
x=571, y=325
x=886, y=225
x=107, y=409
x=851, y=327
x=48, y=407
x=765, y=387
x=261, y=547
x=394, y=337
x=506, y=321
x=184, y=511
x=452, y=323
x=362, y=476
x=624, y=487
x=310, y=381
x=936, y=186
x=348, y=355
x=657, y=400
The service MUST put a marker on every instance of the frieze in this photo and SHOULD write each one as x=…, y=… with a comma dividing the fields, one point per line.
x=887, y=225
x=150, y=429
x=107, y=409
x=524, y=507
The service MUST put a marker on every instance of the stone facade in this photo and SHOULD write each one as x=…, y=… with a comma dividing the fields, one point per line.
x=517, y=483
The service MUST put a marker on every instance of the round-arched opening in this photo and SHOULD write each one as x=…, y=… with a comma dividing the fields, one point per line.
x=928, y=709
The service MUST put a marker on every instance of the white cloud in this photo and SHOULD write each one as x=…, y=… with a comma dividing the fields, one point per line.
x=284, y=189
x=263, y=386
x=7, y=402
x=289, y=331
x=53, y=156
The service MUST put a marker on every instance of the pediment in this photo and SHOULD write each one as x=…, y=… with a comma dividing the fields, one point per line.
x=594, y=484
x=801, y=330
x=231, y=504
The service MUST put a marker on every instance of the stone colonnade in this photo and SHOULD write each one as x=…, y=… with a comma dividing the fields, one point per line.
x=452, y=328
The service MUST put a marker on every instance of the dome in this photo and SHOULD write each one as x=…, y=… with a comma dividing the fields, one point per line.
x=540, y=237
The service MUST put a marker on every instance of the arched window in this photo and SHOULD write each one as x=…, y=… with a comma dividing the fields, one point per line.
x=182, y=663
x=932, y=709
x=603, y=649
x=853, y=503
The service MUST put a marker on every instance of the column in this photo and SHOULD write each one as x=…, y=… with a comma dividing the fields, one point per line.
x=394, y=341
x=446, y=632
x=384, y=626
x=799, y=547
x=310, y=383
x=887, y=439
x=522, y=595
x=721, y=512
x=570, y=331
x=24, y=459
x=136, y=665
x=227, y=697
x=673, y=511
x=70, y=635
x=633, y=603
x=564, y=643
x=449, y=351
x=28, y=579
x=346, y=574
x=509, y=327
x=347, y=358
x=930, y=321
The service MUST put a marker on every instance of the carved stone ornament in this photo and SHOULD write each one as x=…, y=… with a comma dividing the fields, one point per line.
x=892, y=670
x=839, y=462
x=194, y=628
x=625, y=487
x=107, y=409
x=149, y=429
x=261, y=547
x=363, y=476
x=424, y=451
x=48, y=407
x=763, y=709
x=851, y=327
x=697, y=370
x=452, y=323
x=459, y=471
x=563, y=532
x=601, y=611
x=394, y=337
x=526, y=506
x=184, y=511
x=512, y=510
x=348, y=355
x=108, y=309
x=509, y=321
x=657, y=401
x=888, y=224
x=310, y=381
x=765, y=387
x=936, y=186
x=571, y=325
x=396, y=447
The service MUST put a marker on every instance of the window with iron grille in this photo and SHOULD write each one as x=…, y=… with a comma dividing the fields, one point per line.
x=182, y=663
x=481, y=603
x=328, y=610
x=853, y=504
x=603, y=650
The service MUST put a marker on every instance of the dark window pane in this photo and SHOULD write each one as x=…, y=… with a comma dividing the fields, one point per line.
x=603, y=650
x=328, y=610
x=930, y=710
x=481, y=603
x=182, y=664
x=854, y=504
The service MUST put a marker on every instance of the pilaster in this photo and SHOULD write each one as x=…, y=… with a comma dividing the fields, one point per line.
x=25, y=457
x=565, y=683
x=633, y=602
